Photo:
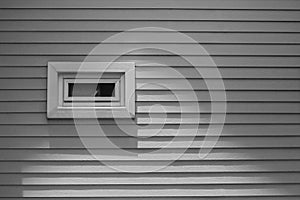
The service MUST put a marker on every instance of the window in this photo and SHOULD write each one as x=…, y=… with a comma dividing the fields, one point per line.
x=104, y=89
x=92, y=90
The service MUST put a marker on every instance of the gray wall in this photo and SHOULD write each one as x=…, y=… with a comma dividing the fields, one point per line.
x=254, y=43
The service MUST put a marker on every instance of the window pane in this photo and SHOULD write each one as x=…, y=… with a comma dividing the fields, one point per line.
x=91, y=89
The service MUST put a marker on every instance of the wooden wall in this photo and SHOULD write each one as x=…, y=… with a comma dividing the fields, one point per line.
x=255, y=44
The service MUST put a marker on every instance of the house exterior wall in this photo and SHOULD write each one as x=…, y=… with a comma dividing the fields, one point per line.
x=255, y=45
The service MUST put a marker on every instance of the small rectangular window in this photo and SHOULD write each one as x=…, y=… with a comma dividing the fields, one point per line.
x=91, y=90
x=81, y=90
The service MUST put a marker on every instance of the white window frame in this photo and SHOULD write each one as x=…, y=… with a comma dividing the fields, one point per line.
x=123, y=106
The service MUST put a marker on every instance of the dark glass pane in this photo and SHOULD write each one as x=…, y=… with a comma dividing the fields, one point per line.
x=91, y=89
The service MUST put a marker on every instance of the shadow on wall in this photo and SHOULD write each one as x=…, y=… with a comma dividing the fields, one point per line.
x=59, y=165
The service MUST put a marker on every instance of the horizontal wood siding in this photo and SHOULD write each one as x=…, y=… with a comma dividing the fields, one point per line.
x=255, y=44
